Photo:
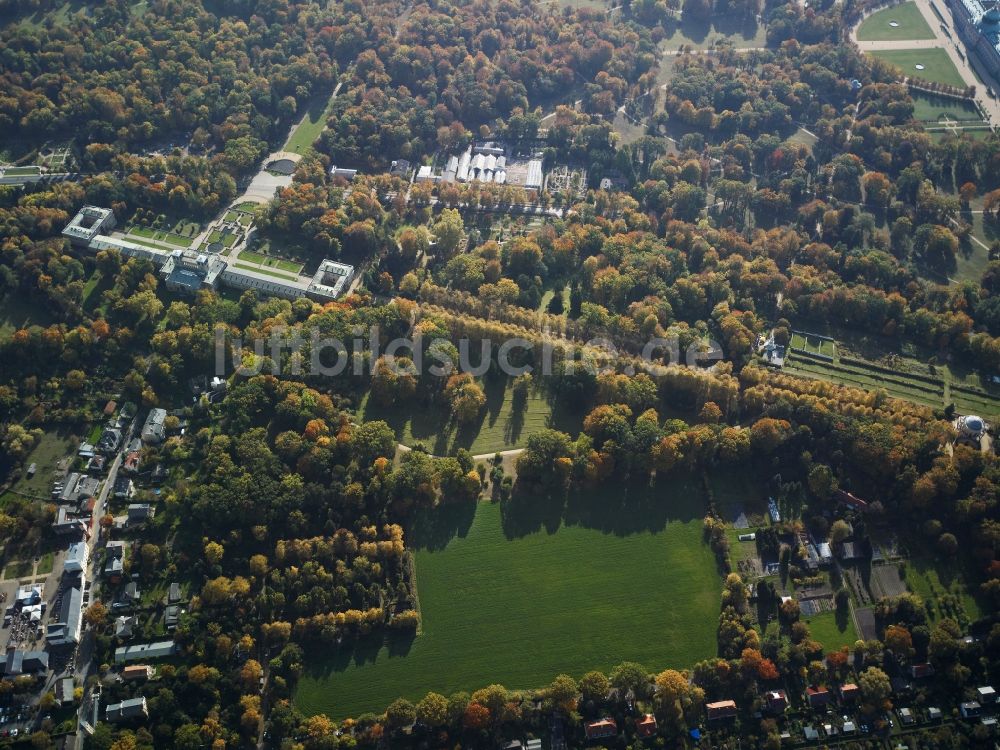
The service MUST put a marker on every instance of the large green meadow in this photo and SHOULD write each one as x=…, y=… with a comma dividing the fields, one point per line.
x=519, y=592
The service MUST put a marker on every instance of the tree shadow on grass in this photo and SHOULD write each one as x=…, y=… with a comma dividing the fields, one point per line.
x=433, y=528
x=620, y=508
x=355, y=652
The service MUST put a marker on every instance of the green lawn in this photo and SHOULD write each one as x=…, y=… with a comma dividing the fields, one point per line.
x=912, y=25
x=228, y=239
x=309, y=128
x=45, y=564
x=265, y=271
x=832, y=630
x=50, y=450
x=518, y=595
x=720, y=30
x=156, y=234
x=17, y=310
x=20, y=171
x=18, y=569
x=501, y=426
x=936, y=109
x=266, y=260
x=938, y=67
x=931, y=579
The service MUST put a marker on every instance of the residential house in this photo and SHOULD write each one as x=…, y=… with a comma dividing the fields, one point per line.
x=21, y=662
x=905, y=716
x=68, y=492
x=970, y=710
x=130, y=465
x=124, y=627
x=76, y=558
x=174, y=593
x=131, y=593
x=142, y=651
x=849, y=727
x=137, y=672
x=159, y=474
x=534, y=744
x=114, y=569
x=172, y=616
x=818, y=697
x=810, y=733
x=646, y=726
x=124, y=489
x=65, y=689
x=849, y=692
x=133, y=708
x=65, y=624
x=68, y=525
x=153, y=430
x=602, y=728
x=97, y=464
x=111, y=440
x=721, y=710
x=919, y=671
x=776, y=701
x=934, y=714
x=986, y=695
x=140, y=513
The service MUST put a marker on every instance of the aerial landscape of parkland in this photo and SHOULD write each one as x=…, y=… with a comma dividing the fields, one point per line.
x=499, y=374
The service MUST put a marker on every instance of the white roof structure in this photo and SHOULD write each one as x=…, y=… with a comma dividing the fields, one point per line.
x=534, y=179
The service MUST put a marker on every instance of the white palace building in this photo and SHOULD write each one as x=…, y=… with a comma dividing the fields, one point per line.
x=189, y=271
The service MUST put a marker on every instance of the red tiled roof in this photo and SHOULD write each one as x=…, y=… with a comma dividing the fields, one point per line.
x=601, y=728
x=646, y=726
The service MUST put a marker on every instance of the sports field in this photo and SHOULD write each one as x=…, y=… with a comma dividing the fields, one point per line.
x=909, y=24
x=518, y=596
x=938, y=67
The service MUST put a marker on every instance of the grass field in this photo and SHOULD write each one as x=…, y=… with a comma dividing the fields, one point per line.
x=309, y=128
x=50, y=450
x=278, y=263
x=938, y=67
x=517, y=597
x=912, y=25
x=813, y=344
x=719, y=31
x=45, y=564
x=18, y=569
x=20, y=171
x=265, y=271
x=859, y=377
x=501, y=426
x=935, y=109
x=831, y=630
x=930, y=579
x=155, y=234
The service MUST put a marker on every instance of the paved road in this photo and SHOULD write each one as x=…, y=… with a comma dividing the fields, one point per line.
x=988, y=104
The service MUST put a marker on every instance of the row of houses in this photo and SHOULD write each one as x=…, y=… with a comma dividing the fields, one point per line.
x=645, y=727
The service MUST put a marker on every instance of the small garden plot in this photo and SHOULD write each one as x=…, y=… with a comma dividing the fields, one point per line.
x=813, y=344
x=228, y=239
x=270, y=262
